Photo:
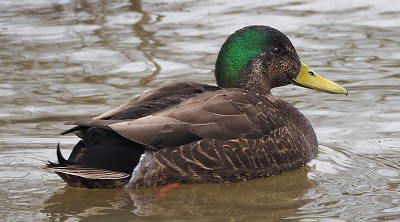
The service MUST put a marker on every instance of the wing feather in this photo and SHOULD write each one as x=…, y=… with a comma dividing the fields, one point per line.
x=223, y=114
x=202, y=117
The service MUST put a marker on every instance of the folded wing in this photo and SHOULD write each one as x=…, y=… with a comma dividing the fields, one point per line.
x=223, y=114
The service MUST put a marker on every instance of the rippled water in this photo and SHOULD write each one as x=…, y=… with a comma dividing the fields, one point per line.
x=61, y=60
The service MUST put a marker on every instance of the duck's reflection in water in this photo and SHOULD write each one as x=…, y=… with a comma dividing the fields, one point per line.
x=274, y=197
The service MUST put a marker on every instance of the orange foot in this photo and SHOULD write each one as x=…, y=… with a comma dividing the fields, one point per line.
x=167, y=188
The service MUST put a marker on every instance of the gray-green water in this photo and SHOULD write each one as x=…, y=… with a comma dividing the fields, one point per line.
x=62, y=60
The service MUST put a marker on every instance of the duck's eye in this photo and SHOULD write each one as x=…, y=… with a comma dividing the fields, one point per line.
x=276, y=50
x=311, y=73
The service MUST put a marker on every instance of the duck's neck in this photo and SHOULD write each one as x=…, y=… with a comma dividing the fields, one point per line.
x=254, y=77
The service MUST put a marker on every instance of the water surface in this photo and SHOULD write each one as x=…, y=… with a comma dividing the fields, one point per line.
x=63, y=60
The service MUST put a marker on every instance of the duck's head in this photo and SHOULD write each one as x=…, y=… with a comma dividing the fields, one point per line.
x=259, y=58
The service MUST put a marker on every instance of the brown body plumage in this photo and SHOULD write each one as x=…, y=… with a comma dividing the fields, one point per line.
x=219, y=135
x=239, y=148
x=197, y=133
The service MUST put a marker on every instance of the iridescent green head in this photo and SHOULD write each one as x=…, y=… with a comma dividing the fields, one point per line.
x=259, y=58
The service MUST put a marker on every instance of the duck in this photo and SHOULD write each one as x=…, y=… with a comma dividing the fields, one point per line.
x=189, y=132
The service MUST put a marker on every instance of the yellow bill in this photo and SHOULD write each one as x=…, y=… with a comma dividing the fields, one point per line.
x=309, y=79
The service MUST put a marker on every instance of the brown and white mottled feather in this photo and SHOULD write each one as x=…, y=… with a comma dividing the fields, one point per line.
x=279, y=139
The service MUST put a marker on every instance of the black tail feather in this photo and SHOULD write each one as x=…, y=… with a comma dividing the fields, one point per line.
x=62, y=162
x=60, y=157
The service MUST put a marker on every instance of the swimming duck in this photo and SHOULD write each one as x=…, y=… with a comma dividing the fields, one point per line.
x=190, y=132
